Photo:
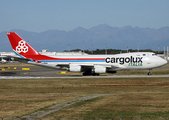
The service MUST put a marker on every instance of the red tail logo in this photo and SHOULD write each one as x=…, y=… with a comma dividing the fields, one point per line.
x=21, y=47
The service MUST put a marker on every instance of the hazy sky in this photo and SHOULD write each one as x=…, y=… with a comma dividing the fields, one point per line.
x=42, y=15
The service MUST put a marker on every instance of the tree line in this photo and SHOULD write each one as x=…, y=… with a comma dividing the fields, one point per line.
x=113, y=51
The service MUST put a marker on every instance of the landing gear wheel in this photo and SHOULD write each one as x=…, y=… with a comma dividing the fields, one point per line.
x=95, y=74
x=149, y=73
x=90, y=74
x=86, y=74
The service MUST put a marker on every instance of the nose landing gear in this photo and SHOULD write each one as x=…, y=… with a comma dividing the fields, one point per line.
x=149, y=73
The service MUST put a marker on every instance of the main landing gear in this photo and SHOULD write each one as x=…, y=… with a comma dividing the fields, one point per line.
x=149, y=73
x=90, y=73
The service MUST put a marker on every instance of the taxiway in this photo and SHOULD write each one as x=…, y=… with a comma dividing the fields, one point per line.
x=43, y=73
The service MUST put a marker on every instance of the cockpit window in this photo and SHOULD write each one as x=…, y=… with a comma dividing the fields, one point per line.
x=153, y=54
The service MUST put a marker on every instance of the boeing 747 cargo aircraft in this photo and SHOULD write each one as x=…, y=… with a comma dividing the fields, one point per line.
x=88, y=64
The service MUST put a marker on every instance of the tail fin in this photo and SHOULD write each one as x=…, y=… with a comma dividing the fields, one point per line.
x=20, y=46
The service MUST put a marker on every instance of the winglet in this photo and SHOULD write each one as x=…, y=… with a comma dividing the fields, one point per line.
x=20, y=46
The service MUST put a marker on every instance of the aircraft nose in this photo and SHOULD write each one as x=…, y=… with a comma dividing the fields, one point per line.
x=162, y=62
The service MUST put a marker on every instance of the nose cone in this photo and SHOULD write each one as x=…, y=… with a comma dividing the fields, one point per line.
x=161, y=62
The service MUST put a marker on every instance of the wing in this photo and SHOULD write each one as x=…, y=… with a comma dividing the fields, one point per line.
x=88, y=66
x=17, y=58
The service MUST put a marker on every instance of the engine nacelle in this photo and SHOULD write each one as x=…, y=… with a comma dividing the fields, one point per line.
x=99, y=69
x=75, y=68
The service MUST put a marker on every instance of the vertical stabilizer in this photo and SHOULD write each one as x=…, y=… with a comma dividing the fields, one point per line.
x=20, y=46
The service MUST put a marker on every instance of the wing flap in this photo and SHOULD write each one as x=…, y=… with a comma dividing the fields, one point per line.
x=90, y=65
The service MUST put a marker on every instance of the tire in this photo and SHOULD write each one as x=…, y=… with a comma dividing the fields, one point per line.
x=149, y=73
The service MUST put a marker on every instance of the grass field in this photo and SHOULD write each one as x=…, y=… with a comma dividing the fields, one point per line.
x=125, y=97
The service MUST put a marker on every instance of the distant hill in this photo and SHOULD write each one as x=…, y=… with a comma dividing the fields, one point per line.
x=98, y=36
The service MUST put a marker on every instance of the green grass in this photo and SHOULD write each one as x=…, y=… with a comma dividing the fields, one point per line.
x=106, y=110
x=127, y=98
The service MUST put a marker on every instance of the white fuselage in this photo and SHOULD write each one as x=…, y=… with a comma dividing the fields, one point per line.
x=125, y=61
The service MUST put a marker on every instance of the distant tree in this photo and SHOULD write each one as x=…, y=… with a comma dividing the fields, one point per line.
x=113, y=51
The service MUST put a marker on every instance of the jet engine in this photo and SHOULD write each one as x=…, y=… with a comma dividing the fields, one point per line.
x=99, y=69
x=75, y=68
